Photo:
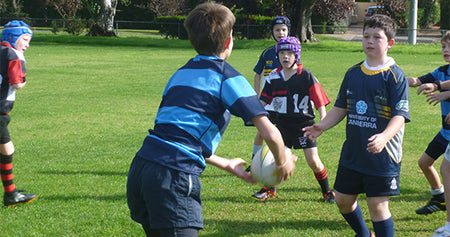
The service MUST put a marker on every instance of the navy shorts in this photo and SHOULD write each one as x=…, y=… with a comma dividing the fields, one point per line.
x=162, y=197
x=4, y=133
x=352, y=182
x=437, y=146
x=294, y=137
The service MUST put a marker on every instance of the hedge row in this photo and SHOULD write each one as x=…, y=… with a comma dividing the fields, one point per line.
x=247, y=26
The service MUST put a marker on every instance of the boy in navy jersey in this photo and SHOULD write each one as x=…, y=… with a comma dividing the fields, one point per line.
x=268, y=59
x=442, y=83
x=16, y=37
x=163, y=188
x=293, y=92
x=374, y=98
x=438, y=145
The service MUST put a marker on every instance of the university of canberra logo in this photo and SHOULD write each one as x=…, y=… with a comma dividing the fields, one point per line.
x=361, y=107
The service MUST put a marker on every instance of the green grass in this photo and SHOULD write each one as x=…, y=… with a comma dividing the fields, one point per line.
x=89, y=102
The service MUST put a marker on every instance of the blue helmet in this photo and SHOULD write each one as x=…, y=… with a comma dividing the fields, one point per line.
x=13, y=30
x=281, y=20
x=290, y=43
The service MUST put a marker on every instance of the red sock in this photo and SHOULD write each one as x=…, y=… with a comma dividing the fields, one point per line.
x=6, y=173
x=322, y=178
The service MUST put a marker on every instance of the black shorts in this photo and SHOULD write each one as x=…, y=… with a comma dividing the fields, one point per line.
x=437, y=146
x=163, y=198
x=4, y=133
x=352, y=183
x=294, y=137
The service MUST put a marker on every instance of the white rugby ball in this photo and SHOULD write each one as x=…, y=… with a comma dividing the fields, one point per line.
x=264, y=168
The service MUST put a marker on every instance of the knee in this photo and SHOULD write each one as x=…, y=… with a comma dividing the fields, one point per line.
x=425, y=162
x=7, y=149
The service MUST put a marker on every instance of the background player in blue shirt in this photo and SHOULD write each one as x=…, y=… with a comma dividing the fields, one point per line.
x=293, y=91
x=374, y=98
x=438, y=145
x=443, y=85
x=163, y=188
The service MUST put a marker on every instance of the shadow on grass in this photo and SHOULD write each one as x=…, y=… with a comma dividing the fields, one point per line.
x=84, y=172
x=75, y=197
x=261, y=227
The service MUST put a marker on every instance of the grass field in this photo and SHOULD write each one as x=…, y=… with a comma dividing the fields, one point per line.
x=89, y=102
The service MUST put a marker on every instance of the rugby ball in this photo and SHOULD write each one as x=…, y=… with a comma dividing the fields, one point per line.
x=264, y=168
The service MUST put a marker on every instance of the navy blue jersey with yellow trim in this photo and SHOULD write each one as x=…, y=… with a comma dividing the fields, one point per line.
x=372, y=97
x=293, y=100
x=194, y=112
x=441, y=74
x=267, y=62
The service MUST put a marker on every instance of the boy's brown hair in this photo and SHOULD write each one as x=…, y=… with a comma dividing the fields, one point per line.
x=446, y=37
x=383, y=22
x=208, y=26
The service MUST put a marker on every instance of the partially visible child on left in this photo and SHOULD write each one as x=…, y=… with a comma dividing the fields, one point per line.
x=16, y=37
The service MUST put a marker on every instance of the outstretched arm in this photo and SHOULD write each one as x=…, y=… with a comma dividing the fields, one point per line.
x=427, y=88
x=414, y=81
x=234, y=166
x=435, y=98
x=333, y=117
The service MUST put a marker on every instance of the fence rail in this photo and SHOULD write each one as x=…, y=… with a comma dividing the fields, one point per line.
x=56, y=25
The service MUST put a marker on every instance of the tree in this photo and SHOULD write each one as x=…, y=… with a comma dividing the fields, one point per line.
x=104, y=23
x=11, y=8
x=164, y=7
x=430, y=13
x=299, y=12
x=67, y=9
x=445, y=14
x=333, y=12
x=396, y=9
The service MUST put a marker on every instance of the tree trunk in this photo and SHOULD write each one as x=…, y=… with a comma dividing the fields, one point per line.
x=104, y=25
x=301, y=18
x=445, y=14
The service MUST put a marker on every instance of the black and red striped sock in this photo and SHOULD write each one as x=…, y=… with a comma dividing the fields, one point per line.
x=322, y=178
x=6, y=173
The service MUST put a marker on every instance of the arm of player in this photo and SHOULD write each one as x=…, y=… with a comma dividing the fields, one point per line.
x=378, y=141
x=333, y=117
x=18, y=85
x=322, y=112
x=274, y=141
x=435, y=98
x=257, y=83
x=447, y=118
x=234, y=166
x=427, y=88
x=414, y=81
x=445, y=85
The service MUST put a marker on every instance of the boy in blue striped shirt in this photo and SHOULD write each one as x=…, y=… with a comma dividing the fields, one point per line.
x=163, y=188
